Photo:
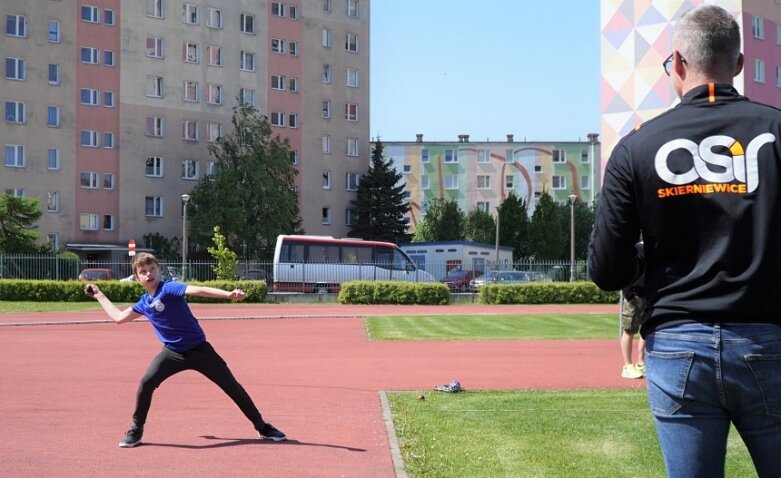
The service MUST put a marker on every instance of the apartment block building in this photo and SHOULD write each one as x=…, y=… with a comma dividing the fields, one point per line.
x=110, y=107
x=481, y=174
x=636, y=39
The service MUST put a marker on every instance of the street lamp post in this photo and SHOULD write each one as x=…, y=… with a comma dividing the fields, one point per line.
x=592, y=139
x=496, y=250
x=185, y=200
x=572, y=199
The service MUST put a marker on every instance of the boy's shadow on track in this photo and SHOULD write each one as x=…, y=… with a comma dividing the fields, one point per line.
x=225, y=442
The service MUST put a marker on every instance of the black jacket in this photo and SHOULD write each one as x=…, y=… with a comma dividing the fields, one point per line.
x=702, y=182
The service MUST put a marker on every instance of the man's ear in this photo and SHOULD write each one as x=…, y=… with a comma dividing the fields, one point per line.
x=739, y=67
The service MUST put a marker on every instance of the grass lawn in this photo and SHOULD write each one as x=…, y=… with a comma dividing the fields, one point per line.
x=595, y=433
x=494, y=327
x=8, y=307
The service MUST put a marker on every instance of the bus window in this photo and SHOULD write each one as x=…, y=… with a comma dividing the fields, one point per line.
x=292, y=253
x=324, y=253
x=356, y=254
x=384, y=258
x=400, y=261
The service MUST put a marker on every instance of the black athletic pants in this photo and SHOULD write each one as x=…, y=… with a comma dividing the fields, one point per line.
x=204, y=359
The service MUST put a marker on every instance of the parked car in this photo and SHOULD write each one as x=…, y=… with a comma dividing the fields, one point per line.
x=93, y=274
x=165, y=274
x=508, y=277
x=176, y=273
x=458, y=280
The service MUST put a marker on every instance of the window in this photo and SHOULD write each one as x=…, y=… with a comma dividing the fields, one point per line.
x=247, y=96
x=293, y=12
x=326, y=179
x=326, y=73
x=778, y=34
x=247, y=23
x=190, y=91
x=294, y=157
x=537, y=168
x=759, y=70
x=15, y=192
x=214, y=19
x=54, y=74
x=90, y=55
x=108, y=181
x=54, y=31
x=108, y=99
x=277, y=119
x=88, y=221
x=484, y=206
x=89, y=14
x=215, y=94
x=154, y=167
x=509, y=181
x=190, y=52
x=154, y=47
x=483, y=182
x=14, y=112
x=277, y=82
x=407, y=168
x=424, y=158
x=424, y=182
x=154, y=86
x=52, y=201
x=758, y=27
x=778, y=76
x=277, y=9
x=483, y=156
x=352, y=8
x=16, y=26
x=54, y=240
x=351, y=112
x=108, y=140
x=108, y=222
x=451, y=182
x=154, y=8
x=53, y=116
x=352, y=146
x=108, y=58
x=89, y=96
x=326, y=144
x=213, y=132
x=190, y=14
x=351, y=77
x=153, y=206
x=108, y=17
x=351, y=43
x=292, y=120
x=559, y=182
x=559, y=156
x=293, y=48
x=154, y=126
x=53, y=159
x=213, y=55
x=89, y=180
x=326, y=38
x=277, y=45
x=327, y=6
x=351, y=181
x=585, y=183
x=326, y=108
x=247, y=61
x=451, y=156
x=509, y=156
x=15, y=69
x=211, y=168
x=350, y=216
x=190, y=169
x=14, y=156
x=326, y=215
x=584, y=159
x=292, y=84
x=89, y=139
x=190, y=130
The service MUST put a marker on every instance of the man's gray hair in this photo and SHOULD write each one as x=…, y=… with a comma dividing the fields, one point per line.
x=709, y=40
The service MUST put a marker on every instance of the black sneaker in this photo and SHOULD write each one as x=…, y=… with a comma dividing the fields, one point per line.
x=268, y=432
x=132, y=438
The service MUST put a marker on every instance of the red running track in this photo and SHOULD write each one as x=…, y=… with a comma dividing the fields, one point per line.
x=67, y=389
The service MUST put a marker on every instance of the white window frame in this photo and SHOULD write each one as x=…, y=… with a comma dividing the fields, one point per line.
x=92, y=53
x=89, y=180
x=759, y=70
x=451, y=156
x=585, y=182
x=277, y=45
x=326, y=38
x=509, y=181
x=424, y=182
x=292, y=120
x=214, y=18
x=108, y=99
x=326, y=144
x=778, y=76
x=190, y=130
x=108, y=222
x=483, y=156
x=558, y=156
x=294, y=157
x=90, y=14
x=190, y=169
x=154, y=126
x=351, y=77
x=15, y=112
x=758, y=27
x=190, y=14
x=18, y=24
x=190, y=52
x=108, y=140
x=277, y=9
x=155, y=8
x=54, y=68
x=247, y=96
x=277, y=82
x=108, y=58
x=327, y=180
x=154, y=86
x=292, y=84
x=451, y=181
x=277, y=118
x=213, y=55
x=216, y=95
x=109, y=181
x=18, y=70
x=92, y=96
x=88, y=221
x=483, y=181
x=53, y=33
x=326, y=76
x=246, y=58
x=53, y=159
x=292, y=12
x=153, y=167
x=425, y=156
x=14, y=156
x=352, y=8
x=213, y=132
x=351, y=42
x=89, y=138
x=153, y=206
x=484, y=206
x=326, y=111
x=157, y=48
x=190, y=91
x=53, y=116
x=351, y=181
x=350, y=216
x=351, y=112
x=292, y=48
x=247, y=23
x=326, y=216
x=558, y=183
x=108, y=17
x=52, y=201
x=353, y=147
x=327, y=6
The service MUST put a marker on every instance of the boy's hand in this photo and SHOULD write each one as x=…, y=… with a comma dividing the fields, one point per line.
x=91, y=290
x=236, y=294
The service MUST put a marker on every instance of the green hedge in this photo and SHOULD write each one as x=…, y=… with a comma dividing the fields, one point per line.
x=393, y=292
x=546, y=293
x=117, y=291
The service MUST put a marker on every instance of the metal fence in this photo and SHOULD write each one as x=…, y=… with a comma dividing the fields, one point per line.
x=63, y=268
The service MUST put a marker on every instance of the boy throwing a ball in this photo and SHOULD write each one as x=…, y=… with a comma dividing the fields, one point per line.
x=184, y=343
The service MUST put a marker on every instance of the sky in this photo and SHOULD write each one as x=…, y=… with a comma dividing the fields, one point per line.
x=486, y=68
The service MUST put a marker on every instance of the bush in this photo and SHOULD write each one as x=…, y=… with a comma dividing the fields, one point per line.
x=394, y=292
x=546, y=293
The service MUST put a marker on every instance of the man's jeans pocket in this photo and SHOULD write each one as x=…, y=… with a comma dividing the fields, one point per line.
x=767, y=372
x=667, y=374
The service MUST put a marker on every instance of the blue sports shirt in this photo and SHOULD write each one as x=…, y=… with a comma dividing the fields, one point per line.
x=174, y=323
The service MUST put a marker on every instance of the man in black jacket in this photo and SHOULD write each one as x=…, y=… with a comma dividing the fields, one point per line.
x=702, y=183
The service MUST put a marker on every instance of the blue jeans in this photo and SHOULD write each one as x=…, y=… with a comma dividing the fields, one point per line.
x=701, y=377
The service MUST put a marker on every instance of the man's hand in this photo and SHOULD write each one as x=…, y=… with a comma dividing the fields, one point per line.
x=91, y=290
x=237, y=295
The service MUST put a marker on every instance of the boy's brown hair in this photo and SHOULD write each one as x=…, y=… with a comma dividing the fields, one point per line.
x=144, y=259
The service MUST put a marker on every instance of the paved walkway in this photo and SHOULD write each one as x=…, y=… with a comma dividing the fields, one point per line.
x=67, y=389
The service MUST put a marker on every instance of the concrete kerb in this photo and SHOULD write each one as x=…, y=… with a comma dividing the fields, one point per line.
x=393, y=440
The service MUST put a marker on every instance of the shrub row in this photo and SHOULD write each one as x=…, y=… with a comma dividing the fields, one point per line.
x=546, y=293
x=120, y=292
x=394, y=292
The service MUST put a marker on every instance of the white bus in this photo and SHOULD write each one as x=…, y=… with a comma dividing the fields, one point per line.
x=322, y=263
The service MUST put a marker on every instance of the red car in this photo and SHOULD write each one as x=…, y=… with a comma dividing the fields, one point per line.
x=458, y=280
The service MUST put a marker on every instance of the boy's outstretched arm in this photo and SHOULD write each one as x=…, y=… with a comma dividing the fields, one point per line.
x=214, y=293
x=117, y=315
